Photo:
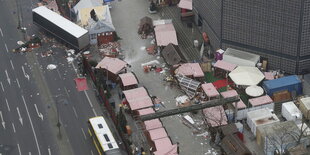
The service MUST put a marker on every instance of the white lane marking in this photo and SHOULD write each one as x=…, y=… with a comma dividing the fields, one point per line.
x=91, y=152
x=91, y=105
x=84, y=134
x=2, y=86
x=6, y=48
x=20, y=152
x=20, y=117
x=29, y=153
x=1, y=32
x=2, y=120
x=25, y=74
x=75, y=112
x=13, y=127
x=66, y=90
x=7, y=104
x=12, y=64
x=34, y=133
x=17, y=82
x=7, y=77
x=39, y=114
x=49, y=151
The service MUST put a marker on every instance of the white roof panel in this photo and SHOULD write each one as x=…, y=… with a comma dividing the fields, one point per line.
x=103, y=132
x=60, y=21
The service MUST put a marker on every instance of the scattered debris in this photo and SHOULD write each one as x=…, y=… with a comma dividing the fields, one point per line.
x=20, y=43
x=150, y=63
x=70, y=59
x=51, y=67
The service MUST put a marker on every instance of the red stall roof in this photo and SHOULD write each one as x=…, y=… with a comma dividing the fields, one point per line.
x=215, y=116
x=190, y=69
x=165, y=34
x=210, y=90
x=232, y=93
x=128, y=79
x=146, y=111
x=138, y=98
x=152, y=124
x=113, y=65
x=225, y=65
x=260, y=100
x=165, y=147
x=158, y=133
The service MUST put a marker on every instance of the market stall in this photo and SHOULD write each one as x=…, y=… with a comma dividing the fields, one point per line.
x=138, y=98
x=238, y=107
x=128, y=81
x=221, y=68
x=240, y=58
x=190, y=86
x=164, y=146
x=165, y=33
x=261, y=102
x=215, y=116
x=210, y=90
x=191, y=70
x=172, y=55
x=112, y=67
x=246, y=76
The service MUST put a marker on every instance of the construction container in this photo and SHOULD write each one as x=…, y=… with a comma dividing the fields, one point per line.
x=291, y=113
x=305, y=107
x=290, y=83
x=281, y=96
x=260, y=118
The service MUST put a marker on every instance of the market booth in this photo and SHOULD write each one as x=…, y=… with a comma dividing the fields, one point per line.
x=112, y=67
x=128, y=81
x=155, y=134
x=164, y=146
x=222, y=68
x=165, y=33
x=239, y=106
x=241, y=58
x=215, y=116
x=210, y=90
x=191, y=70
x=172, y=55
x=137, y=99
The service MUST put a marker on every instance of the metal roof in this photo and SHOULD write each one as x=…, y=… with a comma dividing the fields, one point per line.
x=60, y=21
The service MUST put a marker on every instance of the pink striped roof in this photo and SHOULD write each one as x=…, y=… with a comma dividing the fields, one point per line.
x=240, y=105
x=186, y=4
x=225, y=65
x=128, y=79
x=152, y=124
x=165, y=147
x=232, y=93
x=269, y=75
x=158, y=133
x=210, y=90
x=190, y=69
x=260, y=100
x=215, y=116
x=113, y=65
x=229, y=93
x=165, y=34
x=138, y=98
x=146, y=111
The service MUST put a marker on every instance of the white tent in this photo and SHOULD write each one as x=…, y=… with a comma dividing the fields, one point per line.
x=246, y=76
x=240, y=58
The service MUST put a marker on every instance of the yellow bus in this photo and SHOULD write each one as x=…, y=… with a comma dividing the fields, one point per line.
x=102, y=137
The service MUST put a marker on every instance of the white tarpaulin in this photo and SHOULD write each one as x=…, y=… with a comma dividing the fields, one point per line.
x=246, y=76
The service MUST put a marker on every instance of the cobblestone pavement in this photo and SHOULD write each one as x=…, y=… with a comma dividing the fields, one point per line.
x=126, y=15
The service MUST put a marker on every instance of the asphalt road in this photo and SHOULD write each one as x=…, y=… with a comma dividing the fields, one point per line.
x=34, y=99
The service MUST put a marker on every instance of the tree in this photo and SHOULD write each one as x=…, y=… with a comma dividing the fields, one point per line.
x=121, y=120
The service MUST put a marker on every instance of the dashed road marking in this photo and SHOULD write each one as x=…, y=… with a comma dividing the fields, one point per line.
x=20, y=152
x=7, y=104
x=14, y=130
x=83, y=133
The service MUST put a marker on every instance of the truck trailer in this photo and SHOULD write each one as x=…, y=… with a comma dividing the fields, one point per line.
x=62, y=28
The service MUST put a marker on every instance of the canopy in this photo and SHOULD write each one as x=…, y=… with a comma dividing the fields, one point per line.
x=246, y=76
x=128, y=79
x=165, y=147
x=210, y=90
x=260, y=100
x=138, y=98
x=172, y=54
x=186, y=4
x=225, y=65
x=254, y=91
x=190, y=69
x=215, y=116
x=240, y=58
x=158, y=133
x=165, y=34
x=114, y=65
x=232, y=93
x=153, y=124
